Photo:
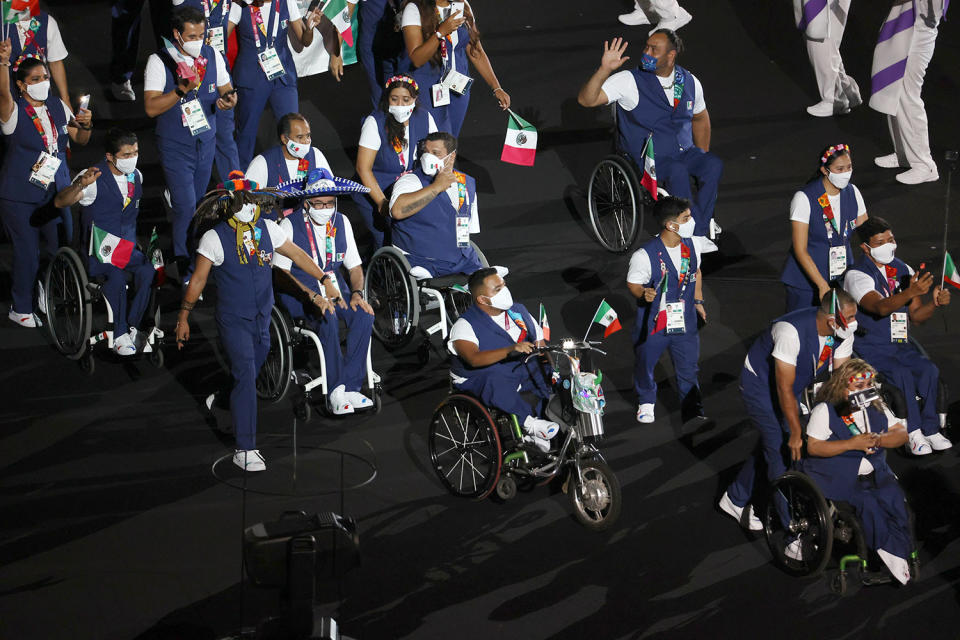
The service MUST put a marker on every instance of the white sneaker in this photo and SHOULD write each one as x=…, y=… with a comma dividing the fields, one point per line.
x=939, y=442
x=249, y=460
x=25, y=319
x=674, y=23
x=726, y=505
x=645, y=413
x=919, y=445
x=794, y=550
x=543, y=445
x=889, y=161
x=634, y=18
x=124, y=345
x=123, y=91
x=899, y=568
x=41, y=298
x=542, y=429
x=822, y=109
x=918, y=175
x=339, y=403
x=357, y=400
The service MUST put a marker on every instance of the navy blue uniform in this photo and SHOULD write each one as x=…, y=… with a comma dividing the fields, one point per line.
x=380, y=44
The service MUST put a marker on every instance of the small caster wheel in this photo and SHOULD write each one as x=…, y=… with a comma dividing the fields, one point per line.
x=506, y=487
x=838, y=584
x=377, y=398
x=87, y=364
x=302, y=410
x=155, y=357
x=423, y=352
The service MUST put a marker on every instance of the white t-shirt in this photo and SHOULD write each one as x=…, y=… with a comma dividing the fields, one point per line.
x=819, y=427
x=786, y=346
x=800, y=206
x=351, y=257
x=293, y=8
x=155, y=75
x=10, y=125
x=56, y=50
x=409, y=183
x=463, y=330
x=211, y=247
x=640, y=270
x=859, y=284
x=257, y=171
x=621, y=87
x=89, y=194
x=370, y=136
x=410, y=17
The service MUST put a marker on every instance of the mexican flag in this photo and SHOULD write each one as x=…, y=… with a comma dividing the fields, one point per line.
x=834, y=309
x=544, y=323
x=607, y=317
x=156, y=257
x=11, y=9
x=950, y=275
x=649, y=179
x=661, y=320
x=110, y=249
x=338, y=11
x=520, y=144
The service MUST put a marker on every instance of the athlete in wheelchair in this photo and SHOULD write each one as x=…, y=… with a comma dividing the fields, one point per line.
x=663, y=126
x=109, y=195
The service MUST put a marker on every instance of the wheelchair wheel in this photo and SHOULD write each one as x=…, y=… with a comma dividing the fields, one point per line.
x=69, y=311
x=596, y=501
x=393, y=293
x=809, y=527
x=465, y=448
x=616, y=203
x=274, y=377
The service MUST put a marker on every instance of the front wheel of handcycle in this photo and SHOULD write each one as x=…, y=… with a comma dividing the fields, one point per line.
x=596, y=501
x=616, y=203
x=464, y=447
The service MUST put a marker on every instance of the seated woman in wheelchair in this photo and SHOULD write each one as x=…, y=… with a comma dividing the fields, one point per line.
x=326, y=236
x=109, y=194
x=481, y=344
x=849, y=429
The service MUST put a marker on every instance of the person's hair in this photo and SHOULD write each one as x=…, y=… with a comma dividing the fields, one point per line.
x=117, y=138
x=669, y=208
x=834, y=391
x=676, y=42
x=844, y=299
x=283, y=126
x=449, y=141
x=831, y=153
x=871, y=227
x=477, y=278
x=184, y=15
x=26, y=68
x=430, y=23
x=395, y=130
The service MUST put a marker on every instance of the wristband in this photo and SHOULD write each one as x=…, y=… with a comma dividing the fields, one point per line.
x=498, y=89
x=180, y=92
x=325, y=277
x=439, y=35
x=696, y=301
x=359, y=292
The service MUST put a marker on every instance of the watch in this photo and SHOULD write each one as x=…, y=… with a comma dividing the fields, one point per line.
x=696, y=301
x=439, y=35
x=180, y=92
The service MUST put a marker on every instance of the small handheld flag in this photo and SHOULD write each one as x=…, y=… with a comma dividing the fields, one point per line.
x=520, y=144
x=338, y=13
x=837, y=314
x=110, y=249
x=649, y=179
x=156, y=257
x=544, y=323
x=950, y=275
x=661, y=320
x=605, y=317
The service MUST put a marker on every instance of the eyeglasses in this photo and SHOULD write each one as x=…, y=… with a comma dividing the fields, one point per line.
x=863, y=375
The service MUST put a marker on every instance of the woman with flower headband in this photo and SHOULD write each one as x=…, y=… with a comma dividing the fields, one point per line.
x=847, y=433
x=388, y=148
x=823, y=215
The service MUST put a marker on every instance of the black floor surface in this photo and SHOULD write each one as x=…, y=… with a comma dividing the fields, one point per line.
x=114, y=526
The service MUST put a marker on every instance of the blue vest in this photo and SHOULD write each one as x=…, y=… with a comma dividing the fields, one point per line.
x=836, y=476
x=244, y=290
x=818, y=242
x=490, y=335
x=23, y=148
x=38, y=46
x=386, y=166
x=247, y=71
x=429, y=73
x=672, y=127
x=170, y=124
x=107, y=211
x=431, y=232
x=657, y=253
x=299, y=221
x=277, y=171
x=876, y=329
x=217, y=18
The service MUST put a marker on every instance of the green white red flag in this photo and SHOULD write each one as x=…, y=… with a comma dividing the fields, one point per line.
x=156, y=257
x=661, y=320
x=520, y=144
x=607, y=317
x=649, y=179
x=950, y=275
x=544, y=323
x=110, y=249
x=338, y=12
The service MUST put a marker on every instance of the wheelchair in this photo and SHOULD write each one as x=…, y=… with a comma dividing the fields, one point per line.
x=291, y=362
x=70, y=296
x=398, y=300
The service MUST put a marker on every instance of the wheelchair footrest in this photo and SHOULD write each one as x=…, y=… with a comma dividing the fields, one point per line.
x=870, y=578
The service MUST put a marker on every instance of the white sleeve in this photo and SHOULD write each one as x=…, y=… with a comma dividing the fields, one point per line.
x=321, y=160
x=698, y=242
x=352, y=257
x=278, y=235
x=370, y=134
x=858, y=284
x=800, y=208
x=909, y=269
x=699, y=104
x=281, y=261
x=819, y=425
x=177, y=3
x=55, y=48
x=294, y=10
x=861, y=206
x=154, y=77
x=236, y=11
x=462, y=330
x=410, y=16
x=211, y=248
x=845, y=350
x=257, y=171
x=89, y=194
x=405, y=184
x=622, y=88
x=67, y=110
x=786, y=342
x=431, y=123
x=639, y=271
x=474, y=218
x=10, y=125
x=222, y=70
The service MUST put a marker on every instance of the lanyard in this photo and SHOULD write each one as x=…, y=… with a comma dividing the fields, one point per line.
x=826, y=355
x=851, y=424
x=401, y=156
x=131, y=185
x=50, y=146
x=210, y=5
x=682, y=280
x=518, y=320
x=830, y=221
x=329, y=245
x=677, y=87
x=256, y=21
x=461, y=188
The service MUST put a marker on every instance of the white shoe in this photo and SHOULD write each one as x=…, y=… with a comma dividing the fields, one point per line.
x=645, y=413
x=919, y=445
x=726, y=505
x=674, y=23
x=889, y=161
x=29, y=320
x=918, y=175
x=357, y=400
x=540, y=443
x=41, y=298
x=124, y=345
x=249, y=460
x=123, y=92
x=542, y=429
x=899, y=568
x=822, y=109
x=939, y=442
x=634, y=18
x=339, y=403
x=794, y=550
x=209, y=401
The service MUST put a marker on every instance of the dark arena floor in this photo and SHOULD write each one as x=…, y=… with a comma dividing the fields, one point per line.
x=114, y=526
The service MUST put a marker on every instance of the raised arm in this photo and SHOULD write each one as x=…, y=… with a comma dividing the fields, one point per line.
x=591, y=94
x=7, y=105
x=409, y=204
x=71, y=195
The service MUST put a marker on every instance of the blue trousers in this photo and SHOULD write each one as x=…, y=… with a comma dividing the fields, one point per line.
x=450, y=118
x=378, y=46
x=500, y=387
x=247, y=343
x=684, y=353
x=227, y=158
x=115, y=290
x=186, y=169
x=800, y=298
x=250, y=106
x=375, y=223
x=467, y=264
x=676, y=172
x=905, y=367
x=24, y=227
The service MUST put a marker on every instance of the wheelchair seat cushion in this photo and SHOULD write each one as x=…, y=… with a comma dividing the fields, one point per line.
x=444, y=282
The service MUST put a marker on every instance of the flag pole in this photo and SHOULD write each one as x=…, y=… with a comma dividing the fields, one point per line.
x=951, y=158
x=590, y=326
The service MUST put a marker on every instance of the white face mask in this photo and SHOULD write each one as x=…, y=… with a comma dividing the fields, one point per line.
x=685, y=230
x=884, y=253
x=846, y=334
x=432, y=164
x=298, y=150
x=126, y=165
x=39, y=91
x=840, y=180
x=320, y=216
x=502, y=299
x=246, y=213
x=401, y=113
x=192, y=48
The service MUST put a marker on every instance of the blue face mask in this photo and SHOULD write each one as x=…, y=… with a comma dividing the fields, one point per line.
x=648, y=62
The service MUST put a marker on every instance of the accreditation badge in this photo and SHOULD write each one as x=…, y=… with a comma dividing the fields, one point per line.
x=270, y=63
x=44, y=170
x=898, y=326
x=838, y=261
x=194, y=118
x=216, y=39
x=463, y=231
x=440, y=95
x=675, y=318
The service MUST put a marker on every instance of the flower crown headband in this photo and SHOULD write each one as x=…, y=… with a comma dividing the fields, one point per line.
x=237, y=182
x=405, y=80
x=835, y=149
x=26, y=56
